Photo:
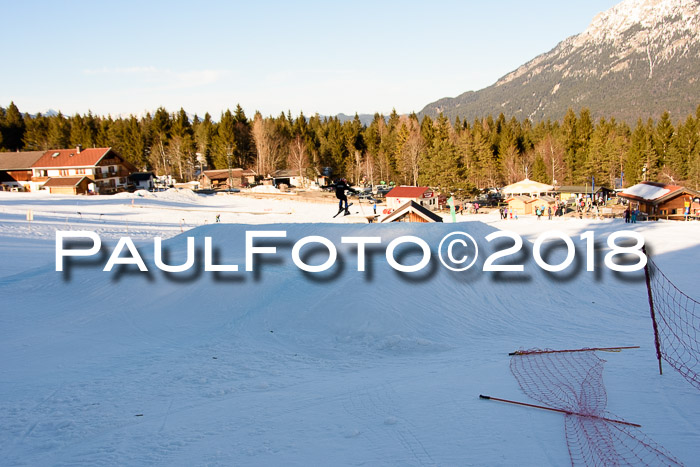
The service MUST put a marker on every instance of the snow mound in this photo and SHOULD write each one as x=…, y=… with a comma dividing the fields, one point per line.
x=178, y=194
x=171, y=194
x=371, y=367
x=265, y=189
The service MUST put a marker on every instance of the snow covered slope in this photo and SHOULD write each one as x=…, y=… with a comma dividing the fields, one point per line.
x=283, y=367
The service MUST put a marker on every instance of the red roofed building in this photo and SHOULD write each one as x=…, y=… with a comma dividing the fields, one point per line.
x=660, y=201
x=106, y=170
x=421, y=195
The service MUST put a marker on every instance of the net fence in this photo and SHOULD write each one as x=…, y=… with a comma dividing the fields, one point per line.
x=677, y=324
x=573, y=382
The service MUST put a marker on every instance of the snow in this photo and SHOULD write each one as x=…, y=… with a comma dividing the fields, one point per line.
x=645, y=191
x=265, y=189
x=283, y=367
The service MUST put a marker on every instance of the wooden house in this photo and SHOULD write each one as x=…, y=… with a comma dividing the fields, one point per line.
x=421, y=195
x=16, y=169
x=219, y=179
x=68, y=185
x=411, y=211
x=543, y=202
x=661, y=201
x=520, y=204
x=108, y=171
x=573, y=192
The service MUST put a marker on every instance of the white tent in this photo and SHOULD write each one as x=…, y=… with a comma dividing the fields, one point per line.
x=527, y=187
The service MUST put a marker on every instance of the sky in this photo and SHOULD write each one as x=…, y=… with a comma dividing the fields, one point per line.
x=131, y=57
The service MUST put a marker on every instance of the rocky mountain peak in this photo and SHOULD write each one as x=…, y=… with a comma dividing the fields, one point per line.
x=635, y=60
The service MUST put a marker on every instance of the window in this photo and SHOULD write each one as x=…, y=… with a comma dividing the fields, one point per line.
x=63, y=172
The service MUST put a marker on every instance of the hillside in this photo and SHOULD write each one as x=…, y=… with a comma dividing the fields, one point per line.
x=283, y=367
x=636, y=60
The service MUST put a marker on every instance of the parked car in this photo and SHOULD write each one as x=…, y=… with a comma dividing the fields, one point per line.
x=382, y=190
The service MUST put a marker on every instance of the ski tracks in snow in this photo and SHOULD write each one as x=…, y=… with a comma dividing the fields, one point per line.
x=376, y=409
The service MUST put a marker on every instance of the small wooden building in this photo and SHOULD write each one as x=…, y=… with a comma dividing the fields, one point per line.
x=421, y=195
x=411, y=211
x=543, y=202
x=68, y=185
x=218, y=179
x=661, y=201
x=521, y=205
x=568, y=192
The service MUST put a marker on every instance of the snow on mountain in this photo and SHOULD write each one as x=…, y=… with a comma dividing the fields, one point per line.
x=635, y=60
x=657, y=29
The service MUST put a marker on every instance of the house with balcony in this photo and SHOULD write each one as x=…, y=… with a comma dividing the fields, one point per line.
x=663, y=201
x=107, y=172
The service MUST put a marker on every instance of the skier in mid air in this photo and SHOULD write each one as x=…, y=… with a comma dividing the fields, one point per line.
x=341, y=186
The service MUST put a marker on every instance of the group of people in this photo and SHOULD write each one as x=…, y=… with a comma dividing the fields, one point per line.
x=631, y=215
x=506, y=211
x=540, y=210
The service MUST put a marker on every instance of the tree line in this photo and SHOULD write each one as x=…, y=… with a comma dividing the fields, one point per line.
x=448, y=155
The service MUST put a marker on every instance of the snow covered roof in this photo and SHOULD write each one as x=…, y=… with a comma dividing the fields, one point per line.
x=527, y=186
x=648, y=191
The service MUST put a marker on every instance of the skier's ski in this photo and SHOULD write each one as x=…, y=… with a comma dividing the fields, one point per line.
x=341, y=210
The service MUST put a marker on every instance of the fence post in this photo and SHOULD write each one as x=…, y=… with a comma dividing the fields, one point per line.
x=647, y=275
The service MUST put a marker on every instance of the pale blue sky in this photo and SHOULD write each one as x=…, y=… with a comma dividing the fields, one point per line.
x=125, y=57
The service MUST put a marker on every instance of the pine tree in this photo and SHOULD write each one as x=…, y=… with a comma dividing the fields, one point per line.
x=224, y=148
x=12, y=128
x=245, y=152
x=36, y=135
x=442, y=169
x=58, y=132
x=203, y=137
x=571, y=145
x=663, y=147
x=686, y=143
x=539, y=170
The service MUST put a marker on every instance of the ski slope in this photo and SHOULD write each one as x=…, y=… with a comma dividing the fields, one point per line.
x=282, y=367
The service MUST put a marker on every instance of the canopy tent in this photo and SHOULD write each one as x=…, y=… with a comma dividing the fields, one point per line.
x=527, y=187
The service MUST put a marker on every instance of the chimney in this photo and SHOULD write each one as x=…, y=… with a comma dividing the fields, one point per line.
x=78, y=148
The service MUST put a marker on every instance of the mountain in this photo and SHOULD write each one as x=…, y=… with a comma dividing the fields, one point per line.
x=636, y=60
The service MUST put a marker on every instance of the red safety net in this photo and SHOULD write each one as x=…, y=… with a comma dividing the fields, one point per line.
x=573, y=382
x=677, y=322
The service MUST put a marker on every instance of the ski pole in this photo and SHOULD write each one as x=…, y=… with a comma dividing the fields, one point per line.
x=591, y=349
x=567, y=412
